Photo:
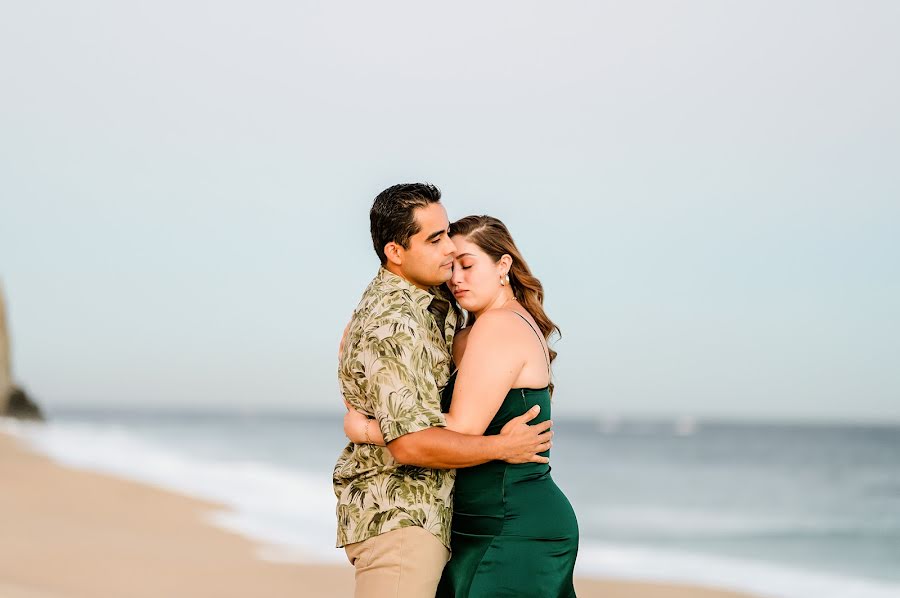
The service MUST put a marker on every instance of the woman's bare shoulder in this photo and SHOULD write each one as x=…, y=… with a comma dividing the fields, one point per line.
x=497, y=326
x=459, y=343
x=462, y=333
x=491, y=331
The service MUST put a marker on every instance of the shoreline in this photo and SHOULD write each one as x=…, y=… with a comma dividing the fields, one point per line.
x=71, y=533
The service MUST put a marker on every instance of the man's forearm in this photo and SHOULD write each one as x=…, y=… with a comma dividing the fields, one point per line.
x=439, y=448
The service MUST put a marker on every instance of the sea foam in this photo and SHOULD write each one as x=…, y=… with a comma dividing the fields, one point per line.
x=761, y=579
x=289, y=513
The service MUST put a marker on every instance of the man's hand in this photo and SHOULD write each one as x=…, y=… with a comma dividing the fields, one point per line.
x=521, y=442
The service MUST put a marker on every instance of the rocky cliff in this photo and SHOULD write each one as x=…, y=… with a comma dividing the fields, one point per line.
x=14, y=402
x=5, y=367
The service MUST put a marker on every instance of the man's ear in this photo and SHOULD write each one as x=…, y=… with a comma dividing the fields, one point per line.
x=394, y=253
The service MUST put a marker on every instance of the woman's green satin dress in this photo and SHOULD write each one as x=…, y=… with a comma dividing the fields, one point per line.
x=514, y=532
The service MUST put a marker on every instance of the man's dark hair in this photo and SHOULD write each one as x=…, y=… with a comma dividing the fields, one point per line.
x=392, y=215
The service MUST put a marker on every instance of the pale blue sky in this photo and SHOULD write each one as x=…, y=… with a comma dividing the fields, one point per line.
x=710, y=192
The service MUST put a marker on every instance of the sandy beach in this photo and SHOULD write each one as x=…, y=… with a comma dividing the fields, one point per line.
x=76, y=534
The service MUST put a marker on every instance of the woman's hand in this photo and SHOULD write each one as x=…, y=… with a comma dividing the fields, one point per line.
x=361, y=429
x=343, y=339
x=340, y=351
x=354, y=425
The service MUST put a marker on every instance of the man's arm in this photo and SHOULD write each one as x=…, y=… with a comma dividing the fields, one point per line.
x=396, y=365
x=439, y=448
x=450, y=450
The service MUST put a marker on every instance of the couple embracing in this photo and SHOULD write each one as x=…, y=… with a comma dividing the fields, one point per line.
x=445, y=488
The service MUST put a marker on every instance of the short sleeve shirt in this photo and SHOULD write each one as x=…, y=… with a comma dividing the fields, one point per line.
x=394, y=364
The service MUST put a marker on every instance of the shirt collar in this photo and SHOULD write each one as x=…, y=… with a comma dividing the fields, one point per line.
x=421, y=297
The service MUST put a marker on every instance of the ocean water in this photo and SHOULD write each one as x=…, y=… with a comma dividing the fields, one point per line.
x=786, y=511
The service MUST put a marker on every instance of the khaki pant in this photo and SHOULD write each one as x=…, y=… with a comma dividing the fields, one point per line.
x=403, y=563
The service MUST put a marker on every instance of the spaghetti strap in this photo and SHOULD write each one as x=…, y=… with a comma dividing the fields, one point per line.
x=540, y=338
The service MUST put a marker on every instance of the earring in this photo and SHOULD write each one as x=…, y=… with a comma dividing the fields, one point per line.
x=504, y=281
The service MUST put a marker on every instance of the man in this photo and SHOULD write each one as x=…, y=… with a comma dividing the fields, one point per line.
x=394, y=503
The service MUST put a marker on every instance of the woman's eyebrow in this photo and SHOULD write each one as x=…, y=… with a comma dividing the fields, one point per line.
x=462, y=255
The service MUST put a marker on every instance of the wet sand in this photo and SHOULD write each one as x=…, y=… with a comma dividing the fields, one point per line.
x=66, y=533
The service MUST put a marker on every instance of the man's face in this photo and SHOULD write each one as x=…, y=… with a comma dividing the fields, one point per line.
x=428, y=261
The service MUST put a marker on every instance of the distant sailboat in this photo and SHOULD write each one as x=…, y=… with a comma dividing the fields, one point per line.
x=685, y=426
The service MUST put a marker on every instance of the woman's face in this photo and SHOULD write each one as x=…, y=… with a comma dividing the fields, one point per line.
x=476, y=277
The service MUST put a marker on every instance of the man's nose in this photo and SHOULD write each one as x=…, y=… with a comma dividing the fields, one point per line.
x=451, y=247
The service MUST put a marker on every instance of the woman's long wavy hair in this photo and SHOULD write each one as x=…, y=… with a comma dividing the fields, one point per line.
x=492, y=236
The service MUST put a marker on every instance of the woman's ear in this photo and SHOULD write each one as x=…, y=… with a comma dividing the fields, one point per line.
x=505, y=262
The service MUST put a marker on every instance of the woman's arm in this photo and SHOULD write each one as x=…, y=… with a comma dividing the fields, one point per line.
x=359, y=428
x=344, y=338
x=488, y=368
x=340, y=352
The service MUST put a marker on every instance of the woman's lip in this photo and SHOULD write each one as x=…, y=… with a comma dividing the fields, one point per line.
x=458, y=293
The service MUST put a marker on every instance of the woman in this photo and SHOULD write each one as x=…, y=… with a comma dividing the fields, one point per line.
x=514, y=532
